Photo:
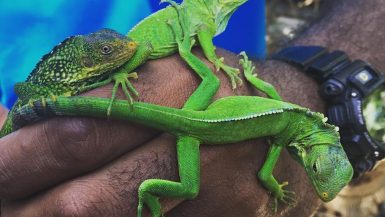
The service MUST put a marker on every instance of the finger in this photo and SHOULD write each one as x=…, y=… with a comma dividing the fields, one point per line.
x=112, y=190
x=44, y=154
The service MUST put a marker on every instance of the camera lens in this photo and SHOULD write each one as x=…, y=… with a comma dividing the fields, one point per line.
x=374, y=114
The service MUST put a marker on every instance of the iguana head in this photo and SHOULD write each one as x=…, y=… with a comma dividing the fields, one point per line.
x=328, y=169
x=320, y=152
x=104, y=51
x=224, y=12
x=83, y=59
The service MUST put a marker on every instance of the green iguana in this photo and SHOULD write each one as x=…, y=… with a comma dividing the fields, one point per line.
x=156, y=39
x=306, y=135
x=75, y=63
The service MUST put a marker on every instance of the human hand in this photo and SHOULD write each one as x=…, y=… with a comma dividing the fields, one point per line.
x=90, y=167
x=93, y=167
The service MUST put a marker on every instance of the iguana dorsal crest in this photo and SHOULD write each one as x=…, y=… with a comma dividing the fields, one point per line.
x=48, y=55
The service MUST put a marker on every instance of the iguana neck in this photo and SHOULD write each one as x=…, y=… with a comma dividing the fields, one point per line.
x=223, y=15
x=308, y=129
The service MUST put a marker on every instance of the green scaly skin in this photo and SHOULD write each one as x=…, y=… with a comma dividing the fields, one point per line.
x=72, y=66
x=156, y=39
x=305, y=134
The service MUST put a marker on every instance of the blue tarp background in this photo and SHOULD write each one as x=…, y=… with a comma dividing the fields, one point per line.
x=30, y=29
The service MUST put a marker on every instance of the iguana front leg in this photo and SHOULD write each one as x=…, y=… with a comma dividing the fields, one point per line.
x=203, y=95
x=259, y=84
x=205, y=38
x=267, y=179
x=265, y=175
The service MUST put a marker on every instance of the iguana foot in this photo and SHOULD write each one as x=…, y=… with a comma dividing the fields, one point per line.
x=284, y=196
x=259, y=84
x=247, y=65
x=232, y=73
x=121, y=79
x=152, y=203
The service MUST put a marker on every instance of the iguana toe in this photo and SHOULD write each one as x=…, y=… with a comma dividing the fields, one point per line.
x=121, y=79
x=133, y=75
x=289, y=198
x=140, y=208
x=233, y=75
x=284, y=196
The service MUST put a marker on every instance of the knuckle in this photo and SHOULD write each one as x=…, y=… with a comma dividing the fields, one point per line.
x=73, y=141
x=72, y=210
x=83, y=201
x=73, y=207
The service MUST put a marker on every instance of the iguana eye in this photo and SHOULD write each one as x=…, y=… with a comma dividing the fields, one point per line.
x=106, y=49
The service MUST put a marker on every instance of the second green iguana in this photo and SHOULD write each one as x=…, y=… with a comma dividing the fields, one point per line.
x=156, y=38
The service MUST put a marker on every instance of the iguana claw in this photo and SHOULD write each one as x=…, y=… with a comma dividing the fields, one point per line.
x=232, y=73
x=121, y=79
x=247, y=65
x=218, y=63
x=248, y=71
x=284, y=196
x=140, y=209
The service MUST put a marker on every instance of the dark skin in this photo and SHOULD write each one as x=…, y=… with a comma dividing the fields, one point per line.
x=91, y=167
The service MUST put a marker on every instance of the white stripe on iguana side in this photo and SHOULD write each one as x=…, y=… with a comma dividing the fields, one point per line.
x=251, y=116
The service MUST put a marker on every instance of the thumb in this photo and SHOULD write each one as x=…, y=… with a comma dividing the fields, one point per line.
x=3, y=115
